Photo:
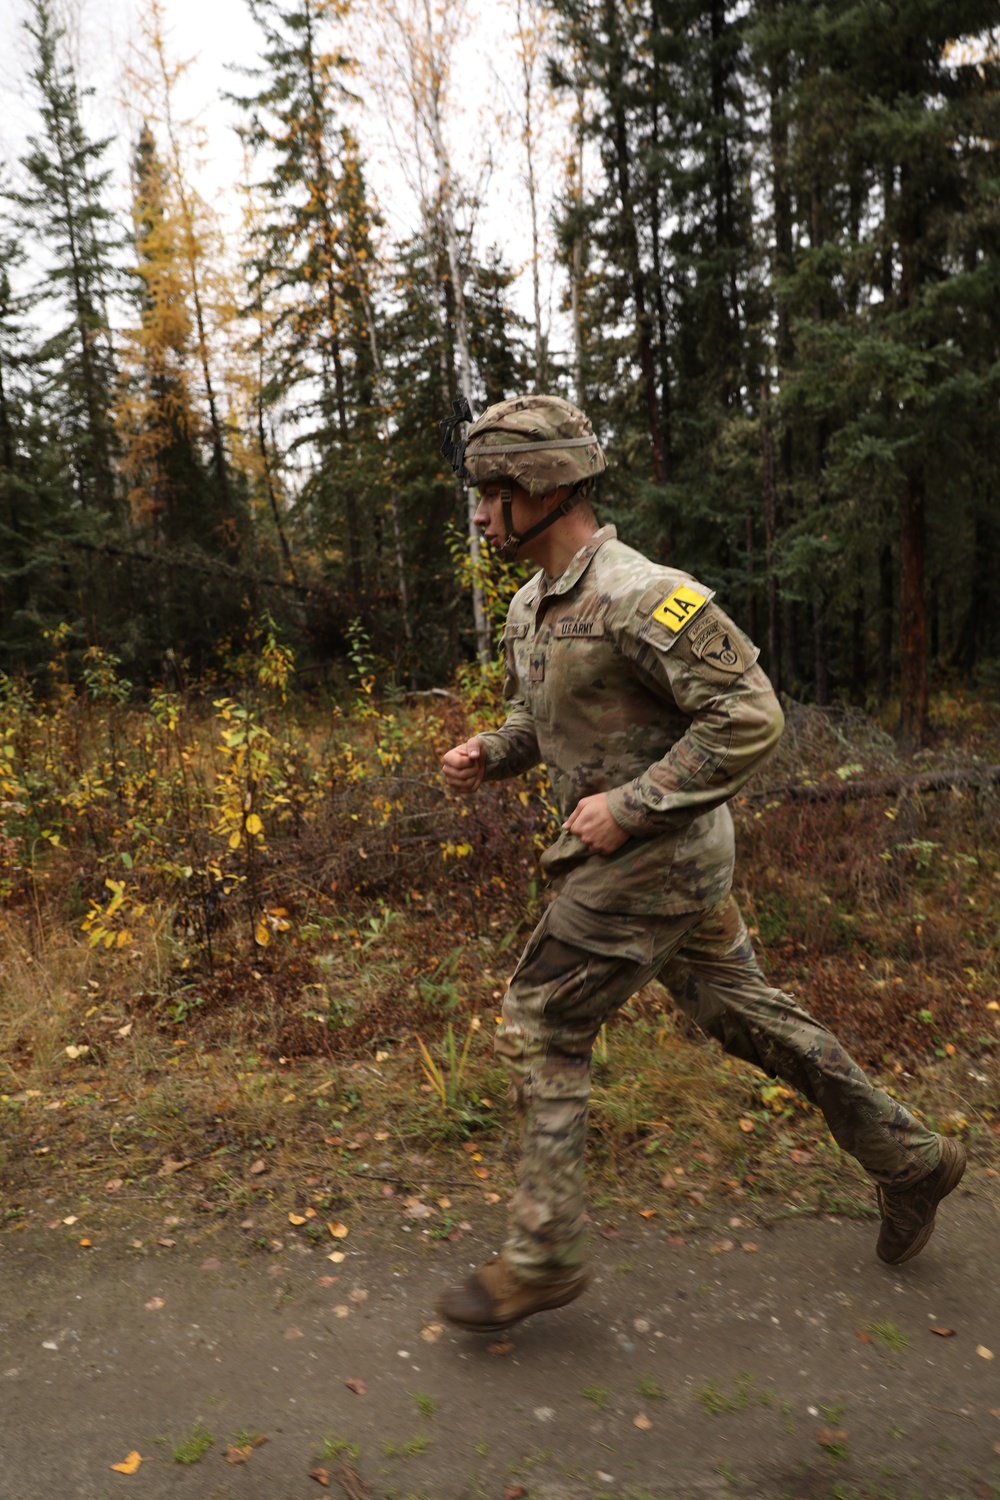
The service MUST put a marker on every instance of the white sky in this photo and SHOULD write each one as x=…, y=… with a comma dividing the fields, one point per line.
x=219, y=33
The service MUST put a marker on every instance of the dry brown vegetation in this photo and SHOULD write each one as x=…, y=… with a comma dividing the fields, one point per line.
x=227, y=925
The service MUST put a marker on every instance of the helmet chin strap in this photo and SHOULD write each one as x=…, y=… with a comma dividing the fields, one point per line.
x=512, y=541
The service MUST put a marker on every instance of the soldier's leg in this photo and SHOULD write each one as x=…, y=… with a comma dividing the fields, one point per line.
x=578, y=967
x=714, y=976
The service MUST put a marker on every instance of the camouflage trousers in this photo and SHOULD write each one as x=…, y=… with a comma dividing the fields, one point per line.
x=578, y=968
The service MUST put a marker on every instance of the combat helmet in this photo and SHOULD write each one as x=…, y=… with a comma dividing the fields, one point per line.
x=539, y=442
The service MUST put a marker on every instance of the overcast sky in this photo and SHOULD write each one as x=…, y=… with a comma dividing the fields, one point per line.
x=220, y=33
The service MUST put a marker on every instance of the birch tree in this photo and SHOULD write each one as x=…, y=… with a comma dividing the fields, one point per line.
x=417, y=40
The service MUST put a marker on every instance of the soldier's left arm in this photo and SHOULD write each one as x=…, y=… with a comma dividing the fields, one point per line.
x=710, y=671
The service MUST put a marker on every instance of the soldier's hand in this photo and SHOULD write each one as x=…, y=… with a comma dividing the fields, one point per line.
x=593, y=821
x=464, y=767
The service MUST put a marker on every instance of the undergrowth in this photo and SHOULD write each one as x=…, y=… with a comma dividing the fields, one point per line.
x=245, y=928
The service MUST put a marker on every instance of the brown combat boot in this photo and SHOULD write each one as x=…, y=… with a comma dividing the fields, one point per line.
x=493, y=1297
x=908, y=1213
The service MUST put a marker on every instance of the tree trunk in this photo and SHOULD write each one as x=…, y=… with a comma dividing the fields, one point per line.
x=770, y=513
x=913, y=686
x=631, y=242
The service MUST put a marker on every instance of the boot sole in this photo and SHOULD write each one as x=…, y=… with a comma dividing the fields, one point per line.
x=947, y=1185
x=497, y=1325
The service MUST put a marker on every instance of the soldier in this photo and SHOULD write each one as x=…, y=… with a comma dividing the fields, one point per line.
x=646, y=703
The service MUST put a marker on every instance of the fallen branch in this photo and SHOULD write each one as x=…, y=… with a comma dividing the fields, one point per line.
x=887, y=786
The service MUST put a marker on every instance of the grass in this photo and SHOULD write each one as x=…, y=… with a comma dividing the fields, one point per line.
x=412, y=1448
x=192, y=1448
x=598, y=1395
x=338, y=1447
x=650, y=1388
x=714, y=1400
x=294, y=1051
x=889, y=1334
x=426, y=1405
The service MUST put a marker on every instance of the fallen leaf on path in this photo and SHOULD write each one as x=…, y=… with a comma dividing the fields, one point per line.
x=695, y=1196
x=500, y=1347
x=358, y=1295
x=296, y=1219
x=75, y=1052
x=125, y=1030
x=310, y=1213
x=382, y=1135
x=747, y=1126
x=154, y=1304
x=86, y=1244
x=514, y=1492
x=995, y=1412
x=609, y=1232
x=491, y=1197
x=234, y=1455
x=341, y=1310
x=129, y=1463
x=749, y=1247
x=338, y=1230
x=325, y=1281
x=641, y=1421
x=432, y=1332
x=647, y=1213
x=481, y=1173
x=418, y=1211
x=320, y=1476
x=444, y=1203
x=943, y=1333
x=166, y=1242
x=801, y=1158
x=676, y=1239
x=294, y=1332
x=357, y=1385
x=668, y=1181
x=863, y=1336
x=469, y=1147
x=70, y=1219
x=722, y=1247
x=831, y=1437
x=114, y=1185
x=211, y=1264
x=258, y=1167
x=172, y=1165
x=983, y=1352
x=337, y=1256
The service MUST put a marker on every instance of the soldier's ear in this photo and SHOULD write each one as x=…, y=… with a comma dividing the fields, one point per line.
x=555, y=498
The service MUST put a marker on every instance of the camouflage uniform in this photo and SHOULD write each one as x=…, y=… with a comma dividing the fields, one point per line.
x=625, y=678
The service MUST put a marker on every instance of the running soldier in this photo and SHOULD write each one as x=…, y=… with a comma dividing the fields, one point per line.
x=647, y=705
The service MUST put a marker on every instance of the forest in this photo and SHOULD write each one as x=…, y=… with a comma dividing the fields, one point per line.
x=776, y=227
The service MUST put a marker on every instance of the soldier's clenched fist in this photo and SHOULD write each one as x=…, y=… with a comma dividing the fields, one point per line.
x=464, y=767
x=593, y=821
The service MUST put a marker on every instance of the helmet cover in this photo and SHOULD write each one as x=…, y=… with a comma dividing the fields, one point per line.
x=539, y=442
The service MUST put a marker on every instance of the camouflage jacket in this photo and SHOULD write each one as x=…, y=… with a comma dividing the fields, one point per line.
x=624, y=677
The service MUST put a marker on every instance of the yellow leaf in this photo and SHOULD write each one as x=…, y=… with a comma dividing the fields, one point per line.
x=123, y=937
x=128, y=1464
x=296, y=1219
x=254, y=825
x=747, y=1126
x=641, y=1421
x=261, y=936
x=234, y=839
x=338, y=1230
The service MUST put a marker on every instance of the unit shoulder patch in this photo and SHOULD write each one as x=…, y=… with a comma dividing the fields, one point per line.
x=679, y=608
x=724, y=649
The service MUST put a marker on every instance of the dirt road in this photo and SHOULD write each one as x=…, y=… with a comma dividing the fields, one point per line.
x=706, y=1368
